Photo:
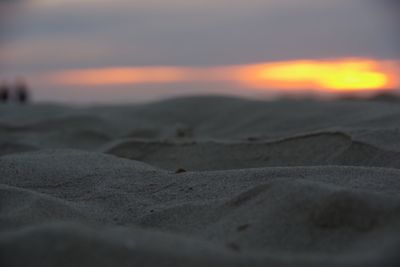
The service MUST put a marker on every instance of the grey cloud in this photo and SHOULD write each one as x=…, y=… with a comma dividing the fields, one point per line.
x=155, y=36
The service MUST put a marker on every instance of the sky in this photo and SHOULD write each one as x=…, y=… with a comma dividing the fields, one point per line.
x=139, y=50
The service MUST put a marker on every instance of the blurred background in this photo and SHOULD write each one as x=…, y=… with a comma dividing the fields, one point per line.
x=99, y=51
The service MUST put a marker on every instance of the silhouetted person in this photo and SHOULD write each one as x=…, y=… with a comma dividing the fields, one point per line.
x=4, y=93
x=21, y=92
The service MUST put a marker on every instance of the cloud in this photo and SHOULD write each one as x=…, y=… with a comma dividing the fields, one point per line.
x=60, y=34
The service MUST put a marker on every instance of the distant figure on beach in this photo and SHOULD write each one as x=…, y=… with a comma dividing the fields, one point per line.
x=21, y=92
x=4, y=93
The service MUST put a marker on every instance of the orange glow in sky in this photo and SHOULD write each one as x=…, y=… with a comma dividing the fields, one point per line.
x=118, y=76
x=321, y=75
x=332, y=75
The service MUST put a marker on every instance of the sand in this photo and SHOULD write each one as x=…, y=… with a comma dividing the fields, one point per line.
x=201, y=181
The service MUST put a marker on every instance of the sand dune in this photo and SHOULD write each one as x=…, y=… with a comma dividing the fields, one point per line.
x=289, y=183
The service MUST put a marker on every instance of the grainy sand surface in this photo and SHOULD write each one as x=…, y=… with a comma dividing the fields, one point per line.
x=203, y=181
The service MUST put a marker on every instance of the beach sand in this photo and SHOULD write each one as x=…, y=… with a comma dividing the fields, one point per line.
x=201, y=181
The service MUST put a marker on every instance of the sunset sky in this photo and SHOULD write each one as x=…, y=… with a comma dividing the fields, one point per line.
x=134, y=50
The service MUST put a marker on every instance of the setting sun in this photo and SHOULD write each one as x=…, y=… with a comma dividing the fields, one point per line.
x=336, y=75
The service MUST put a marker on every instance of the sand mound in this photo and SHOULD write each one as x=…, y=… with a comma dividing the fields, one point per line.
x=201, y=182
x=308, y=150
